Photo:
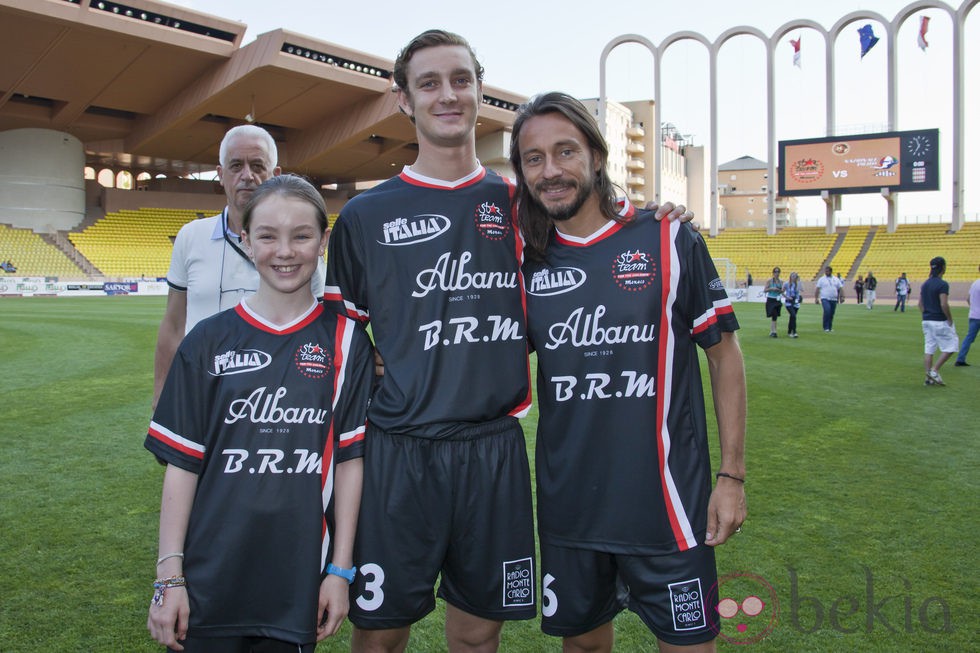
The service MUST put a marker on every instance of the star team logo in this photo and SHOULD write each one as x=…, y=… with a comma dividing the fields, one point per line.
x=312, y=361
x=491, y=221
x=633, y=270
x=806, y=171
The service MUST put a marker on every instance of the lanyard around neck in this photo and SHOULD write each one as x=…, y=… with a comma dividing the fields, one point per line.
x=224, y=232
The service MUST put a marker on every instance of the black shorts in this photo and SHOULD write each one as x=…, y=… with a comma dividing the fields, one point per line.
x=773, y=307
x=243, y=645
x=676, y=595
x=459, y=507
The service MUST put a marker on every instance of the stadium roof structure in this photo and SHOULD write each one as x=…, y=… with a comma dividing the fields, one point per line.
x=149, y=86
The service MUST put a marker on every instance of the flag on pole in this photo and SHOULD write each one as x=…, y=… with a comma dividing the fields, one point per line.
x=923, y=28
x=868, y=39
x=796, y=51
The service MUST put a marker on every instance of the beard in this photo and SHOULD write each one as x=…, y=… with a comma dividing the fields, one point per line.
x=564, y=212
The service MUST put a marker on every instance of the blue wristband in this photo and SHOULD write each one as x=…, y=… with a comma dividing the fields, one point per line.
x=346, y=574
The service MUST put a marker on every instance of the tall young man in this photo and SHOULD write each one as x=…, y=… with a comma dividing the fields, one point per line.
x=432, y=259
x=209, y=271
x=618, y=304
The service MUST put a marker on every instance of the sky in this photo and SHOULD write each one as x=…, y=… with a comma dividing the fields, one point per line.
x=530, y=46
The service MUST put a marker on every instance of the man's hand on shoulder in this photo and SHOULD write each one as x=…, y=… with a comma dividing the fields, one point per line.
x=671, y=212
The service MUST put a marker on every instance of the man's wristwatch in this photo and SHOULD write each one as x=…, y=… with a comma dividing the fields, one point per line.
x=346, y=574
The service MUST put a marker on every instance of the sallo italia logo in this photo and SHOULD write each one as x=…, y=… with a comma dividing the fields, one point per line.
x=239, y=362
x=417, y=229
x=555, y=281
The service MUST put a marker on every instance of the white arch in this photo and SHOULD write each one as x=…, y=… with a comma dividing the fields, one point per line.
x=672, y=40
x=727, y=35
x=890, y=27
x=606, y=51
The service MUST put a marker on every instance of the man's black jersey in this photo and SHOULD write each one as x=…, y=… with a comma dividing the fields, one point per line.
x=262, y=415
x=622, y=452
x=435, y=268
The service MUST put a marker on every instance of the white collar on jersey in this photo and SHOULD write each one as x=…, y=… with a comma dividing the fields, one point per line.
x=624, y=209
x=610, y=224
x=277, y=327
x=432, y=181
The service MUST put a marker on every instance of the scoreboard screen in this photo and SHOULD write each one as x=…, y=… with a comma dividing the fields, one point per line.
x=899, y=161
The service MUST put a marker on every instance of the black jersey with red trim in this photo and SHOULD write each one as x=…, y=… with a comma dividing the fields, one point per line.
x=435, y=267
x=262, y=415
x=622, y=452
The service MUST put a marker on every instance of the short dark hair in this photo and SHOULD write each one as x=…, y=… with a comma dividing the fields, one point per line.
x=429, y=39
x=291, y=187
x=535, y=226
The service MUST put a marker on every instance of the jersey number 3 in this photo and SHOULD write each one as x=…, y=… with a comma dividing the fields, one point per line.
x=373, y=595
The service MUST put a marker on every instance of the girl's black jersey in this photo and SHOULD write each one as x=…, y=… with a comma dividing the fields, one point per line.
x=262, y=415
x=435, y=268
x=622, y=452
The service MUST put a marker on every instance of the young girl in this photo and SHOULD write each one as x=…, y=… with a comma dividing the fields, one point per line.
x=261, y=426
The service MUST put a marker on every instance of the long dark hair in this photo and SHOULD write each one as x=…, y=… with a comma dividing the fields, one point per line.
x=535, y=225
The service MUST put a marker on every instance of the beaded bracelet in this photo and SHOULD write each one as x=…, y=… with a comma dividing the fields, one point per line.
x=160, y=585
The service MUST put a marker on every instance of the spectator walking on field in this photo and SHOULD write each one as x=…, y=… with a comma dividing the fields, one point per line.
x=859, y=289
x=973, y=300
x=793, y=297
x=902, y=291
x=870, y=286
x=774, y=291
x=827, y=294
x=937, y=321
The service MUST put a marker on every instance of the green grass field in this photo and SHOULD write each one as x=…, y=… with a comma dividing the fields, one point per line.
x=861, y=491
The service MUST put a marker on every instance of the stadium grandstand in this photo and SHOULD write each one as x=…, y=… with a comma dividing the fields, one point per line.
x=853, y=251
x=157, y=119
